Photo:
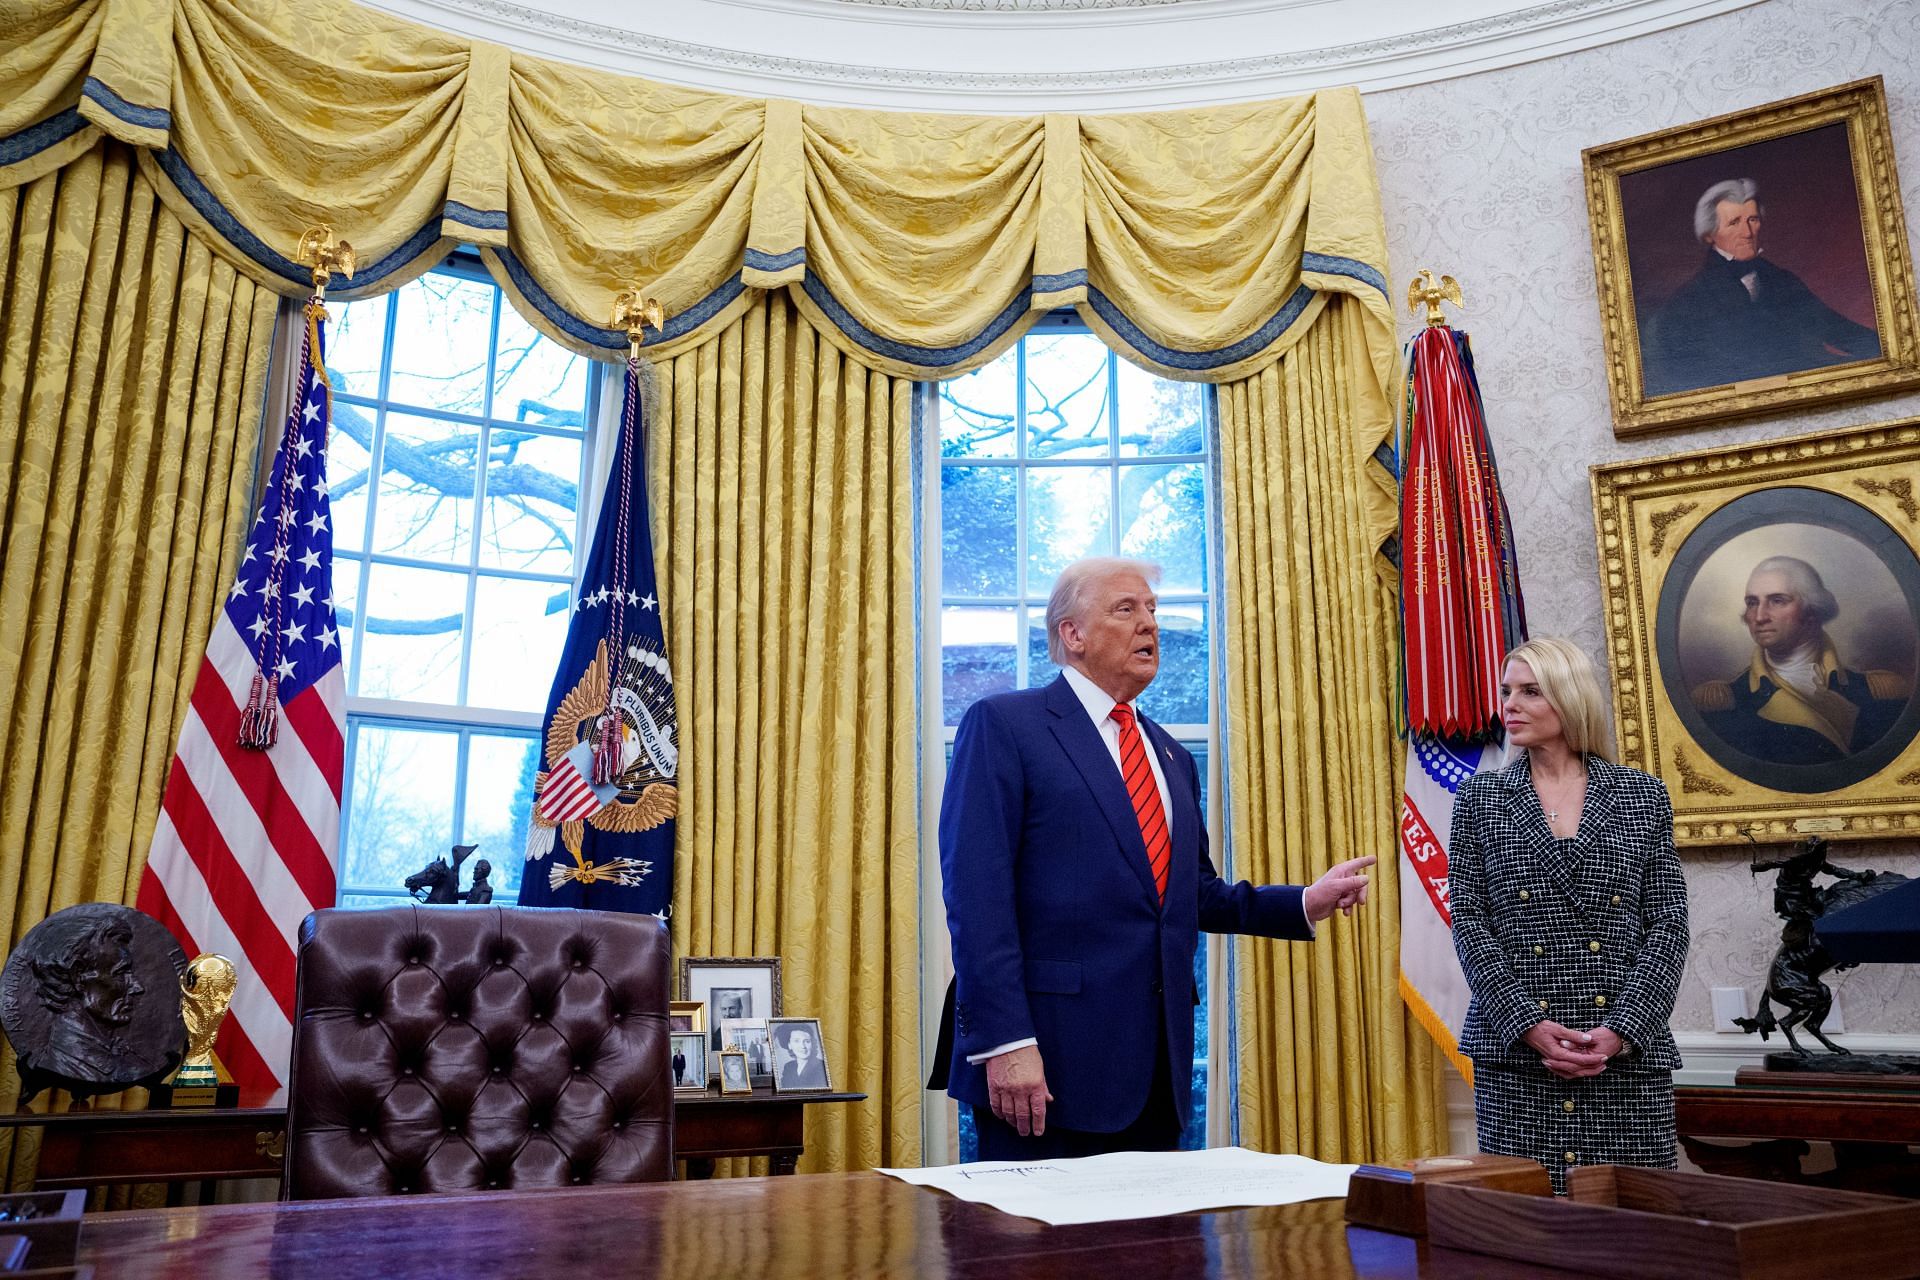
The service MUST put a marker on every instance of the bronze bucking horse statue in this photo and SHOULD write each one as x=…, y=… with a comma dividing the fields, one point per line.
x=1794, y=980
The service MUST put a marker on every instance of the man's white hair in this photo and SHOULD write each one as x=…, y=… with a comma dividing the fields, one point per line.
x=1706, y=213
x=1804, y=581
x=1073, y=587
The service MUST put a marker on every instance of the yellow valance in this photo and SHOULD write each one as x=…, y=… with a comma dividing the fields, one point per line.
x=1199, y=243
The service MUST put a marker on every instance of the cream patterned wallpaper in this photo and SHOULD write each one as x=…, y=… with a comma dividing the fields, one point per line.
x=1481, y=179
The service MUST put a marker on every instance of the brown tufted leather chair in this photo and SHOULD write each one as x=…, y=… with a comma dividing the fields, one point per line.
x=464, y=1048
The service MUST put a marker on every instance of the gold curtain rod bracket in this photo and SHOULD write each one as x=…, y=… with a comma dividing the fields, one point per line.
x=634, y=313
x=326, y=255
x=1423, y=291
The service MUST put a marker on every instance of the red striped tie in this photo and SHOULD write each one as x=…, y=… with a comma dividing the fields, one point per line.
x=1141, y=789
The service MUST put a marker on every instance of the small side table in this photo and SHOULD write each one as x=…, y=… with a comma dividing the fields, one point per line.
x=707, y=1127
x=1870, y=1120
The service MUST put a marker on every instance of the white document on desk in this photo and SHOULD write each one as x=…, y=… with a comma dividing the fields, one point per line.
x=1135, y=1184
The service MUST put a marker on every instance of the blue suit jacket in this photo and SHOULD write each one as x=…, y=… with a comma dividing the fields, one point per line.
x=1057, y=931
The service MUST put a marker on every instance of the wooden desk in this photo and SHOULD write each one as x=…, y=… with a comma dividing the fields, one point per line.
x=88, y=1148
x=822, y=1225
x=1870, y=1122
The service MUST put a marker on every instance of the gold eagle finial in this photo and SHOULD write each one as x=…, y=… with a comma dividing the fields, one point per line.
x=1423, y=290
x=319, y=250
x=634, y=313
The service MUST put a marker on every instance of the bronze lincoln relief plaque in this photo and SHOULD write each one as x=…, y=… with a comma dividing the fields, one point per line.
x=1763, y=632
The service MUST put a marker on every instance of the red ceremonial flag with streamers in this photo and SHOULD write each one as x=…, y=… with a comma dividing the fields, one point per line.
x=1460, y=580
x=1462, y=611
x=250, y=818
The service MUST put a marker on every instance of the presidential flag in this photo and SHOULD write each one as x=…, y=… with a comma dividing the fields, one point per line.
x=1461, y=611
x=250, y=818
x=601, y=833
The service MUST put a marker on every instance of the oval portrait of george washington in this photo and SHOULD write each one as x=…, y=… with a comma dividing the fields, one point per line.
x=1787, y=639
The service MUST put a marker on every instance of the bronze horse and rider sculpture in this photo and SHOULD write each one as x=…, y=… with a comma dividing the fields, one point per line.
x=1794, y=982
x=438, y=883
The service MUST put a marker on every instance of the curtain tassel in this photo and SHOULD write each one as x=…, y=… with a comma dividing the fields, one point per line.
x=260, y=722
x=606, y=751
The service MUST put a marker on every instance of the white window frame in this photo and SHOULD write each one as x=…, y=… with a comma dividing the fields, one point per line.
x=939, y=1116
x=598, y=431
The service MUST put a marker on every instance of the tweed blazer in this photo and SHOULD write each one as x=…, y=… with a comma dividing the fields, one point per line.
x=1594, y=937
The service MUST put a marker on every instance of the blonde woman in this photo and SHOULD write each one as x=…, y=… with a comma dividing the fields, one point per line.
x=1570, y=917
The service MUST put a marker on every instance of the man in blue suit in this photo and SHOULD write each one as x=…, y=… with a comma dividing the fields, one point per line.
x=1073, y=854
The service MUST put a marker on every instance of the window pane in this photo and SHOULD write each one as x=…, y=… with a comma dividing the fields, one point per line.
x=519, y=628
x=977, y=656
x=530, y=517
x=349, y=454
x=354, y=341
x=425, y=508
x=346, y=611
x=500, y=771
x=401, y=813
x=1040, y=668
x=412, y=636
x=1158, y=416
x=1178, y=695
x=1067, y=397
x=1067, y=517
x=1163, y=517
x=440, y=340
x=979, y=522
x=536, y=379
x=976, y=411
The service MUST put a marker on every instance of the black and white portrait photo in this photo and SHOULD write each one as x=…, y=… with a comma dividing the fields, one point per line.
x=730, y=987
x=728, y=1004
x=799, y=1055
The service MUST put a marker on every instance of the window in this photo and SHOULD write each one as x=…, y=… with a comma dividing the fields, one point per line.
x=1054, y=451
x=458, y=459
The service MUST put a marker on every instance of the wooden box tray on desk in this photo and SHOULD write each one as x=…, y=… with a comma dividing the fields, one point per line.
x=1394, y=1197
x=1655, y=1224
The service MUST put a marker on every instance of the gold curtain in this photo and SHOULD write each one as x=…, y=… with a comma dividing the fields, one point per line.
x=133, y=365
x=1199, y=243
x=783, y=509
x=1331, y=1064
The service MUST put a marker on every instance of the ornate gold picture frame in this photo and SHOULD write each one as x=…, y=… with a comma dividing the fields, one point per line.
x=1753, y=262
x=1763, y=632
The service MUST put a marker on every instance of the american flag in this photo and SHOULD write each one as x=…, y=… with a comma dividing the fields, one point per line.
x=247, y=835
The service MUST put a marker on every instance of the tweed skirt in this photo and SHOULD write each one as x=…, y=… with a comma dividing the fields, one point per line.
x=1616, y=1117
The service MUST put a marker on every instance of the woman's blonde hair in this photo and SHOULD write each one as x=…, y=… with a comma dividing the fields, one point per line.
x=1565, y=675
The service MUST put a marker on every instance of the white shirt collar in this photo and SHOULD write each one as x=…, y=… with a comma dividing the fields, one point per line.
x=1098, y=702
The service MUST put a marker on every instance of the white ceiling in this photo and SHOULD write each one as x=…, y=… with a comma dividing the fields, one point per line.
x=1019, y=56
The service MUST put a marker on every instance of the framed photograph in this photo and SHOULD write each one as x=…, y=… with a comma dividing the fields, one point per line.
x=799, y=1056
x=749, y=1036
x=731, y=987
x=1753, y=262
x=686, y=1015
x=1763, y=630
x=689, y=1061
x=733, y=1073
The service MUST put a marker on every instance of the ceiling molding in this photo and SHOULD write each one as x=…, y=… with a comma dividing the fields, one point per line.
x=1050, y=55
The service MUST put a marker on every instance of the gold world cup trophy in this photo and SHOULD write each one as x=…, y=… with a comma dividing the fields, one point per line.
x=200, y=1080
